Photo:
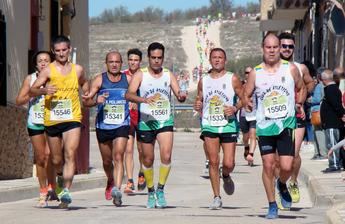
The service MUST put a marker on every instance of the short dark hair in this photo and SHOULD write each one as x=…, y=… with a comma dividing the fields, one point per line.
x=155, y=46
x=217, y=49
x=286, y=35
x=60, y=39
x=135, y=51
x=311, y=68
x=269, y=33
x=34, y=57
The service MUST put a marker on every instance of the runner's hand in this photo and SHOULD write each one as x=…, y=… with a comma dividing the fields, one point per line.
x=150, y=100
x=300, y=110
x=182, y=95
x=249, y=105
x=50, y=90
x=197, y=104
x=229, y=110
x=100, y=99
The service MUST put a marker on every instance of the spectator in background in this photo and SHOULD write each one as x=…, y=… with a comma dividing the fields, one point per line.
x=309, y=135
x=319, y=134
x=339, y=78
x=332, y=113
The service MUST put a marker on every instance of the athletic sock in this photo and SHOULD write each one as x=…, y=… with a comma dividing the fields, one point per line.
x=148, y=174
x=160, y=187
x=164, y=171
x=282, y=186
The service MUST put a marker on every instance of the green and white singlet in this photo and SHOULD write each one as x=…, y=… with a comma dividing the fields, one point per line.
x=157, y=116
x=217, y=93
x=36, y=109
x=275, y=93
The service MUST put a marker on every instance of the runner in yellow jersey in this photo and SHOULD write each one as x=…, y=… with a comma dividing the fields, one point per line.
x=62, y=119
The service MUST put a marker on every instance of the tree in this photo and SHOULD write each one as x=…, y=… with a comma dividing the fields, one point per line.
x=253, y=8
x=220, y=6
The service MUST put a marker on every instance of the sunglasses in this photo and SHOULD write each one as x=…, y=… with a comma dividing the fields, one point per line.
x=246, y=72
x=288, y=46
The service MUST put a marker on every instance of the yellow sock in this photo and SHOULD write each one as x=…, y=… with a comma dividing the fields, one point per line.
x=148, y=174
x=164, y=171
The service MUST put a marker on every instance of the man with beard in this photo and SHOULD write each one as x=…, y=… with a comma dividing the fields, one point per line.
x=287, y=46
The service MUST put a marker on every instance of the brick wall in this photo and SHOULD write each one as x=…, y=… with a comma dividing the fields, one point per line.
x=16, y=156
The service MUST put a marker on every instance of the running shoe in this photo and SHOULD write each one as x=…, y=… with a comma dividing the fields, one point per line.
x=42, y=200
x=52, y=196
x=250, y=159
x=151, y=200
x=246, y=152
x=141, y=182
x=228, y=185
x=272, y=212
x=59, y=186
x=216, y=204
x=220, y=171
x=107, y=193
x=117, y=196
x=160, y=202
x=284, y=196
x=294, y=192
x=65, y=198
x=206, y=169
x=129, y=189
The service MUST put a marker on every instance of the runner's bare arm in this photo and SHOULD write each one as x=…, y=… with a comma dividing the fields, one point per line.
x=23, y=95
x=42, y=79
x=307, y=79
x=176, y=89
x=248, y=91
x=94, y=88
x=301, y=90
x=239, y=90
x=198, y=99
x=131, y=94
x=83, y=81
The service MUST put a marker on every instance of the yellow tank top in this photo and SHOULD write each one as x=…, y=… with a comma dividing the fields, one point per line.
x=64, y=105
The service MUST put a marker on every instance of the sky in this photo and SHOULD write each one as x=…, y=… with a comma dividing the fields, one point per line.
x=96, y=7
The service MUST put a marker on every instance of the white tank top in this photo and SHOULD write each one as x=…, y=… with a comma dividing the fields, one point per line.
x=155, y=116
x=275, y=93
x=36, y=109
x=216, y=94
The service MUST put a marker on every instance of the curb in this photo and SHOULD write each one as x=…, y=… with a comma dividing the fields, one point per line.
x=317, y=194
x=81, y=182
x=333, y=216
x=320, y=198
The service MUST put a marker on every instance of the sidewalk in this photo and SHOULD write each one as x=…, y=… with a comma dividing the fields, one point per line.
x=19, y=189
x=326, y=190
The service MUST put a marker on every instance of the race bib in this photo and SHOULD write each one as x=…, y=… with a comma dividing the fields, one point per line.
x=114, y=113
x=275, y=106
x=216, y=115
x=37, y=115
x=61, y=110
x=160, y=111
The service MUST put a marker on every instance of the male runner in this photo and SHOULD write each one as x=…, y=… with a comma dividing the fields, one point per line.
x=62, y=115
x=275, y=82
x=287, y=46
x=151, y=89
x=112, y=122
x=134, y=57
x=248, y=128
x=216, y=100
